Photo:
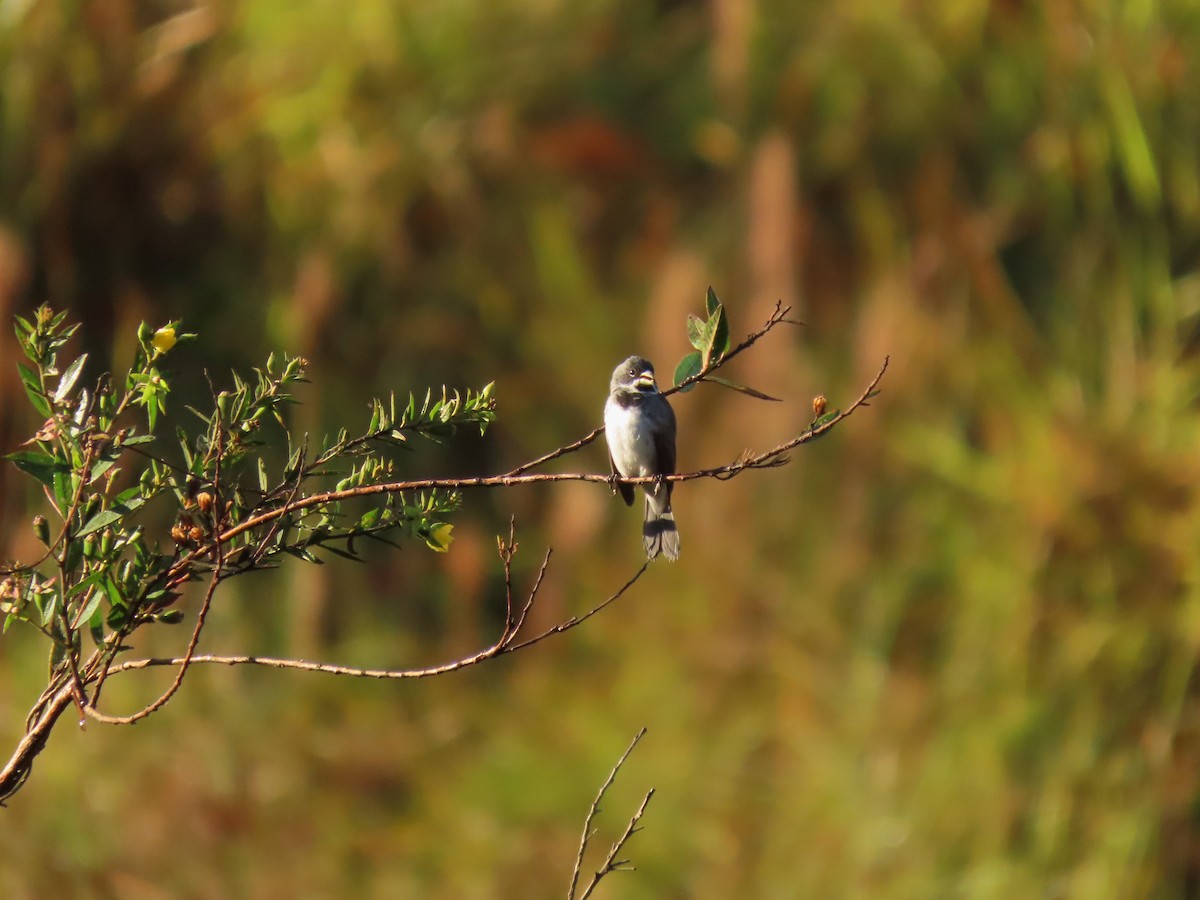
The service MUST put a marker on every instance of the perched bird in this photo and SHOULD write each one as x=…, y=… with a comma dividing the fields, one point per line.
x=640, y=428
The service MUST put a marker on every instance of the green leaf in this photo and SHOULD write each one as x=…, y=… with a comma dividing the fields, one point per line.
x=262, y=475
x=64, y=489
x=697, y=330
x=115, y=599
x=47, y=605
x=688, y=366
x=304, y=554
x=718, y=344
x=138, y=439
x=33, y=389
x=160, y=597
x=711, y=302
x=96, y=627
x=185, y=447
x=94, y=578
x=100, y=467
x=69, y=378
x=346, y=554
x=74, y=556
x=106, y=517
x=39, y=465
x=749, y=391
x=93, y=604
x=117, y=616
x=295, y=460
x=58, y=655
x=825, y=419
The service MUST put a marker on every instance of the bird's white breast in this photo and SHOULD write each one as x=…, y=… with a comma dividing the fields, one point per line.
x=629, y=439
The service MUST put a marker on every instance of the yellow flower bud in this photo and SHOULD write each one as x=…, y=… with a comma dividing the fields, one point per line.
x=164, y=339
x=440, y=537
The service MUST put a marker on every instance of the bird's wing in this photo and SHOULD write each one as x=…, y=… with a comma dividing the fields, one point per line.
x=664, y=441
x=625, y=489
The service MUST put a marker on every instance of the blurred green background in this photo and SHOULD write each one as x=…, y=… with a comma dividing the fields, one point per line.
x=949, y=652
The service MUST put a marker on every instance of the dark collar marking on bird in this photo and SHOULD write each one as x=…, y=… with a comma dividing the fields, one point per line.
x=632, y=380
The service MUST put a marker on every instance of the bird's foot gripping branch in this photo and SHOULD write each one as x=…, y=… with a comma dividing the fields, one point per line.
x=135, y=511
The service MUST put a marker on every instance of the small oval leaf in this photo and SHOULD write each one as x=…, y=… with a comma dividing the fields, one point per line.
x=718, y=331
x=688, y=366
x=69, y=378
x=741, y=388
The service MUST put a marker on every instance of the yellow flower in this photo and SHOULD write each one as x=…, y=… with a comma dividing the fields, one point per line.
x=164, y=339
x=440, y=537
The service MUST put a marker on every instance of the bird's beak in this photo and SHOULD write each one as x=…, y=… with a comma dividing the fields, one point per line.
x=645, y=382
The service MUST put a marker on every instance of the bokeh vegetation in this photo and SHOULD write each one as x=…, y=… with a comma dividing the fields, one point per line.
x=949, y=651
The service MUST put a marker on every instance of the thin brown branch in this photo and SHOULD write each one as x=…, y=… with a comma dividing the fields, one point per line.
x=507, y=552
x=576, y=621
x=555, y=454
x=778, y=317
x=189, y=657
x=20, y=764
x=505, y=644
x=610, y=862
x=537, y=585
x=766, y=459
x=201, y=616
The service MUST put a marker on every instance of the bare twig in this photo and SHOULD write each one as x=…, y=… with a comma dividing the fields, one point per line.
x=188, y=658
x=611, y=863
x=507, y=643
x=579, y=620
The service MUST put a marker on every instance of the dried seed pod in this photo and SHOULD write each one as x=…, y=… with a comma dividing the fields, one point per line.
x=819, y=404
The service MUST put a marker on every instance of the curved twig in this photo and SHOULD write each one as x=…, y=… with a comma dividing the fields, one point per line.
x=611, y=863
x=507, y=643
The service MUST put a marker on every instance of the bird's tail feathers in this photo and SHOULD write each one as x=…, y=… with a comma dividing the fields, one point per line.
x=659, y=532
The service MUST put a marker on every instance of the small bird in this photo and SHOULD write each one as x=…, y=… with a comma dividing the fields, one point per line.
x=640, y=429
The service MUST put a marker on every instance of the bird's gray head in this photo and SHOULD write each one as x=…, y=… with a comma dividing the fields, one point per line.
x=635, y=375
